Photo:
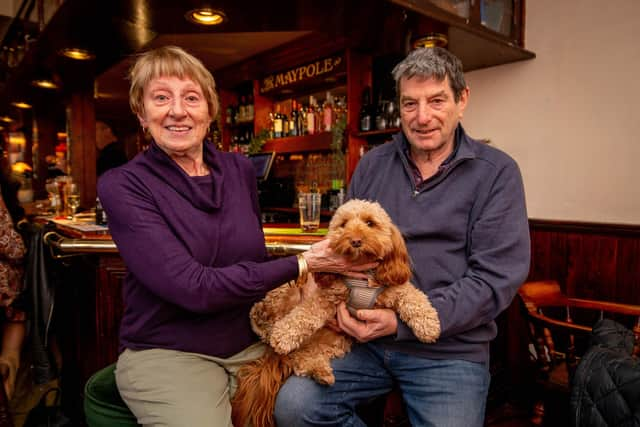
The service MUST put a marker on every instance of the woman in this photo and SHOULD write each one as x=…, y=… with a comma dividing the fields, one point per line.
x=186, y=221
x=12, y=251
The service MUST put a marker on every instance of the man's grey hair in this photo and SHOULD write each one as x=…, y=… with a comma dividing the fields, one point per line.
x=433, y=62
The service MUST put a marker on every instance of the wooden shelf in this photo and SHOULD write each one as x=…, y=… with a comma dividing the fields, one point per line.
x=297, y=144
x=382, y=132
x=239, y=125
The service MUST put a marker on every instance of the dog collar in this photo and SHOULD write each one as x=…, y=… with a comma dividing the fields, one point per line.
x=361, y=295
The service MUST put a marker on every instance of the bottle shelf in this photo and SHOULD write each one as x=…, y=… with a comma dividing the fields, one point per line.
x=240, y=125
x=296, y=144
x=388, y=131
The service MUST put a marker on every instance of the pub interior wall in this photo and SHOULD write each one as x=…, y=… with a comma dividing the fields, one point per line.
x=568, y=116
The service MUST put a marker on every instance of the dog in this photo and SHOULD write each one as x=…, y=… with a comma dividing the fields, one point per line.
x=295, y=326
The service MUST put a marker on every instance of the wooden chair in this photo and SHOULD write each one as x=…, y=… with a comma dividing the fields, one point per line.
x=559, y=329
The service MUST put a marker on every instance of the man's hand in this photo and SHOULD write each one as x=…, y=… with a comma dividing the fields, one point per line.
x=370, y=324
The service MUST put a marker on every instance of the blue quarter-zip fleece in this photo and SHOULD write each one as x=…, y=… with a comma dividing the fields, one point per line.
x=467, y=233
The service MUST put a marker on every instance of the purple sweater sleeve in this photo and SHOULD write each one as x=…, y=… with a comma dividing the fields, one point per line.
x=151, y=239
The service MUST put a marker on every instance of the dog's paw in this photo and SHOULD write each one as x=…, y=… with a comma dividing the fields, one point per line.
x=326, y=378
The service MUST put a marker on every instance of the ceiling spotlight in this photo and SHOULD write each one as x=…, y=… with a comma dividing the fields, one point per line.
x=21, y=104
x=205, y=16
x=431, y=40
x=76, y=53
x=44, y=84
x=6, y=119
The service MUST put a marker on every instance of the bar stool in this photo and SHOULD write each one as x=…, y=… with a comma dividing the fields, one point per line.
x=103, y=406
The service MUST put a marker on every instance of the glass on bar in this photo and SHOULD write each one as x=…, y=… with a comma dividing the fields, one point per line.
x=73, y=199
x=309, y=204
x=63, y=183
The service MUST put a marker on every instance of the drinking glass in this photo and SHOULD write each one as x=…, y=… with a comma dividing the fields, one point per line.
x=63, y=182
x=73, y=199
x=53, y=192
x=309, y=204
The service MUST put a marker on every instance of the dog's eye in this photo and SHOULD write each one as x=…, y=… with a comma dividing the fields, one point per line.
x=343, y=224
x=370, y=223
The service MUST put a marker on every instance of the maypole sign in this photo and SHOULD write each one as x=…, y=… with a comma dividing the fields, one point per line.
x=302, y=73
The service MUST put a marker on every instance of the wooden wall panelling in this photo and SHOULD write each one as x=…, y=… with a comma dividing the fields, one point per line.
x=359, y=77
x=627, y=284
x=597, y=261
x=589, y=260
x=82, y=144
x=109, y=307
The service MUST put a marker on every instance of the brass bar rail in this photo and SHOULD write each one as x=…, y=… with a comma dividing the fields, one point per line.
x=66, y=245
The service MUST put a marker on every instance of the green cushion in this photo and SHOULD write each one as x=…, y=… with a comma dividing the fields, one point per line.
x=103, y=406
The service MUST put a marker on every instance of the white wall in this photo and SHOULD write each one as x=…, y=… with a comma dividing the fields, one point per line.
x=568, y=116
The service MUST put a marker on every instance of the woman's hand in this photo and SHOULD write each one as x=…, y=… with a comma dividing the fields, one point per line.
x=370, y=323
x=321, y=258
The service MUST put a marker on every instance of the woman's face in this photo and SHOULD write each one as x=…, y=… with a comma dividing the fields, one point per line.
x=176, y=114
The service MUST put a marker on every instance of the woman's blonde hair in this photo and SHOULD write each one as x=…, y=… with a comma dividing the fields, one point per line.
x=170, y=61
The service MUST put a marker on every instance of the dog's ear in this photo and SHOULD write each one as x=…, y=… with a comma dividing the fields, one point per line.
x=395, y=268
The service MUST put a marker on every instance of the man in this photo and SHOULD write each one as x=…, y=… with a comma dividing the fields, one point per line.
x=461, y=208
x=110, y=151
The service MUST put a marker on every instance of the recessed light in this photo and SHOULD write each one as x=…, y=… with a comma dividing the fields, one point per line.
x=205, y=16
x=431, y=40
x=44, y=84
x=77, y=53
x=6, y=119
x=21, y=104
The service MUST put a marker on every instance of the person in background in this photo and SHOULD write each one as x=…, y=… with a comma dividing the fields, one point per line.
x=186, y=220
x=111, y=152
x=460, y=205
x=12, y=251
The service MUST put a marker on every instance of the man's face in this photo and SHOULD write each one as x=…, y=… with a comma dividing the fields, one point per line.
x=104, y=135
x=429, y=113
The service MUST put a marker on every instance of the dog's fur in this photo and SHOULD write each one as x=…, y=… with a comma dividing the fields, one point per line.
x=294, y=326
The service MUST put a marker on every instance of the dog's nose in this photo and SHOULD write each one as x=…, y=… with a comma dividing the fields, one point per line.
x=356, y=243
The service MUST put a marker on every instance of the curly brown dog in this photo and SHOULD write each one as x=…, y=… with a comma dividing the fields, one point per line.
x=294, y=327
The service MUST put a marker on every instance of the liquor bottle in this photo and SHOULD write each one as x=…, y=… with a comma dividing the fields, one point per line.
x=293, y=122
x=272, y=120
x=277, y=123
x=242, y=110
x=302, y=120
x=365, y=111
x=327, y=113
x=285, y=125
x=229, y=115
x=249, y=110
x=101, y=215
x=311, y=116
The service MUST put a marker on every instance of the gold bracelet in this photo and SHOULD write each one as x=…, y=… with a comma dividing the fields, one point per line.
x=303, y=268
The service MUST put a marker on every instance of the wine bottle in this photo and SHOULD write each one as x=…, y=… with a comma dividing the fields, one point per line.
x=293, y=122
x=101, y=215
x=365, y=111
x=277, y=123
